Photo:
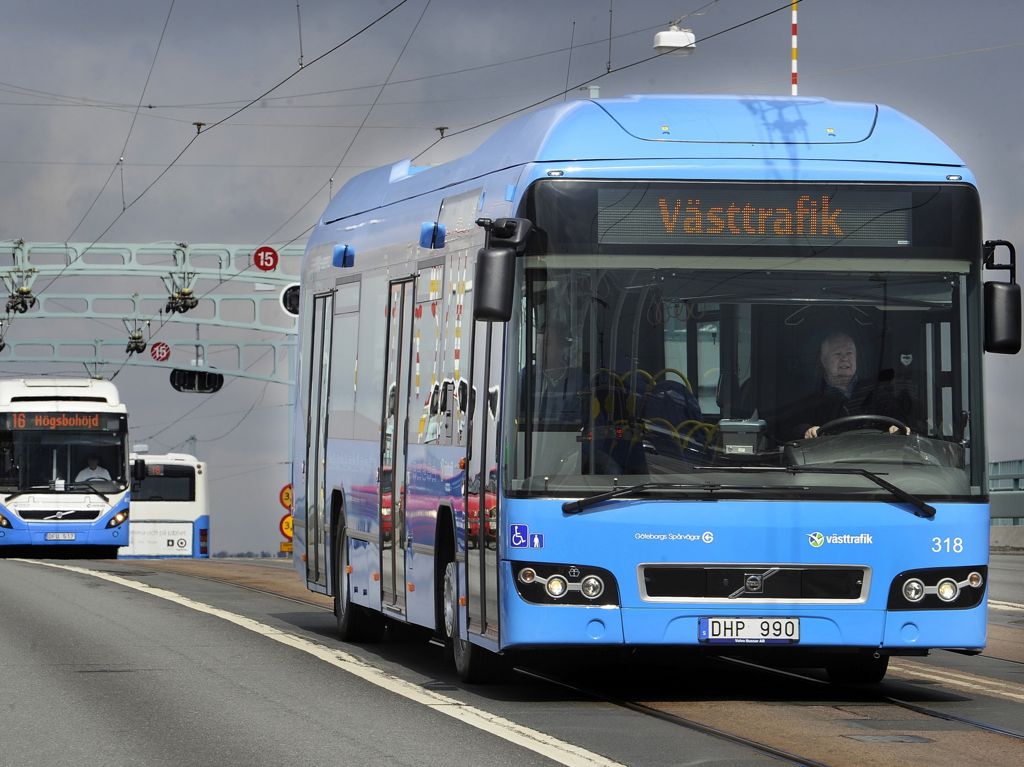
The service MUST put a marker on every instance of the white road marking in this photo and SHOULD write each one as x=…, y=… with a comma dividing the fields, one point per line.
x=960, y=680
x=996, y=604
x=546, y=745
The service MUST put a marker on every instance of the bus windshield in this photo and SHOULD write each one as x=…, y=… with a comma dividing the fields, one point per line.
x=653, y=364
x=166, y=482
x=73, y=452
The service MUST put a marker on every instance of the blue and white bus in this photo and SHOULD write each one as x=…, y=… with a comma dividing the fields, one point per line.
x=64, y=472
x=609, y=331
x=170, y=507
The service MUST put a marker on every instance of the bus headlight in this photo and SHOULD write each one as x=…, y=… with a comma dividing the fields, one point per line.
x=118, y=518
x=913, y=590
x=938, y=588
x=556, y=586
x=546, y=583
x=527, y=575
x=947, y=590
x=592, y=586
x=4, y=521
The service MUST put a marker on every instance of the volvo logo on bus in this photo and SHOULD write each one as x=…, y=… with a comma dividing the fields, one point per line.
x=62, y=514
x=753, y=583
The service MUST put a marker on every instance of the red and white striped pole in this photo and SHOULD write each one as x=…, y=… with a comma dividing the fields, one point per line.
x=794, y=75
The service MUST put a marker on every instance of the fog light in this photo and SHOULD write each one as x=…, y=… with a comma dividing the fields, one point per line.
x=974, y=580
x=556, y=586
x=527, y=575
x=592, y=587
x=913, y=590
x=947, y=590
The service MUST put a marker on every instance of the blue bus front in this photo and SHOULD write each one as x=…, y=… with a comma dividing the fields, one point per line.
x=63, y=478
x=745, y=414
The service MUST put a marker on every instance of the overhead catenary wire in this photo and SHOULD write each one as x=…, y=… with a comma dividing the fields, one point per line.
x=131, y=128
x=348, y=148
x=84, y=101
x=352, y=141
x=212, y=126
x=601, y=76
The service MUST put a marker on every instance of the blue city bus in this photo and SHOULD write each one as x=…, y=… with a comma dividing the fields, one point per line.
x=688, y=372
x=52, y=431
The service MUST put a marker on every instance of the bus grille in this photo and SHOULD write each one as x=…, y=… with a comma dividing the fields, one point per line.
x=752, y=582
x=59, y=515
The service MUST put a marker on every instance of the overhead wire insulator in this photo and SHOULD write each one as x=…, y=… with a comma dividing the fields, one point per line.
x=21, y=300
x=136, y=343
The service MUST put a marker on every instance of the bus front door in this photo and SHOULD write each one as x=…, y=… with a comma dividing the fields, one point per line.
x=482, y=518
x=316, y=438
x=394, y=441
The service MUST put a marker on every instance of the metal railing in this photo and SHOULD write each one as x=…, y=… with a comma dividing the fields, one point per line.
x=1006, y=492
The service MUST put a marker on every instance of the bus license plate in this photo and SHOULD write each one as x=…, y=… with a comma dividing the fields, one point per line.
x=749, y=630
x=60, y=536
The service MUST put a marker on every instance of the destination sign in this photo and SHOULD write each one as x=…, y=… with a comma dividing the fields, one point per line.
x=60, y=421
x=786, y=216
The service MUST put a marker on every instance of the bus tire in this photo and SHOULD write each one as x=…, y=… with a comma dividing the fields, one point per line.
x=473, y=664
x=863, y=668
x=355, y=623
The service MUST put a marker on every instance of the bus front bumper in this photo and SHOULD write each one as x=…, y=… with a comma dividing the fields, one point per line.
x=532, y=625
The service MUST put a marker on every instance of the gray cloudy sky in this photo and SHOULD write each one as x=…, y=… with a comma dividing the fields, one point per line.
x=74, y=71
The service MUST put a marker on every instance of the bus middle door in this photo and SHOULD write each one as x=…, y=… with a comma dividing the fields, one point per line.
x=394, y=442
x=316, y=438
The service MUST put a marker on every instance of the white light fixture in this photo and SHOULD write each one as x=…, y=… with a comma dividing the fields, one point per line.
x=675, y=40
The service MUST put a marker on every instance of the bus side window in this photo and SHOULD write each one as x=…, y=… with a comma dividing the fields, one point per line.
x=467, y=398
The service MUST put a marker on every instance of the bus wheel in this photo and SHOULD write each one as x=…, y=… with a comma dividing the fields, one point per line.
x=355, y=624
x=473, y=664
x=864, y=668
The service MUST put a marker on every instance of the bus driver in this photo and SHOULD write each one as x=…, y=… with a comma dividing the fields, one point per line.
x=93, y=470
x=840, y=392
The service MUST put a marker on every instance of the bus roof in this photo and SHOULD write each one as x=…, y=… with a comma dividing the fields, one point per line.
x=40, y=390
x=765, y=130
x=182, y=458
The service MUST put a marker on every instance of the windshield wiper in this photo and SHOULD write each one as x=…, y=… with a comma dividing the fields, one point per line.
x=574, y=507
x=923, y=509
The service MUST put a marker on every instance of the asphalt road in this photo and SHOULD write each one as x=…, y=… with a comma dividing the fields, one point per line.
x=97, y=672
x=94, y=673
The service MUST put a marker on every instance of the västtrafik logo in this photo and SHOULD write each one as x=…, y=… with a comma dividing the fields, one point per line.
x=819, y=539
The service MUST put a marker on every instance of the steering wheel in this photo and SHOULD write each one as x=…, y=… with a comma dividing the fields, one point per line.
x=863, y=421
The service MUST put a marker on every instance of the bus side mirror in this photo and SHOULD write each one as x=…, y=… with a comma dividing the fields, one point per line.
x=1002, y=317
x=1002, y=302
x=493, y=284
x=138, y=470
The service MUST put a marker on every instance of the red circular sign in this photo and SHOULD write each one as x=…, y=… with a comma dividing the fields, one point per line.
x=160, y=351
x=265, y=259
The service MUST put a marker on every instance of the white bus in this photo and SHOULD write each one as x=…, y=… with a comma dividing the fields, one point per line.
x=64, y=472
x=170, y=507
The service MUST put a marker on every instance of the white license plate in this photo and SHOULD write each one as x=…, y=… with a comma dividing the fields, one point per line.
x=749, y=630
x=60, y=536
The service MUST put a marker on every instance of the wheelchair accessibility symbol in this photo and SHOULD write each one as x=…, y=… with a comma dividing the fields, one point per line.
x=519, y=536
